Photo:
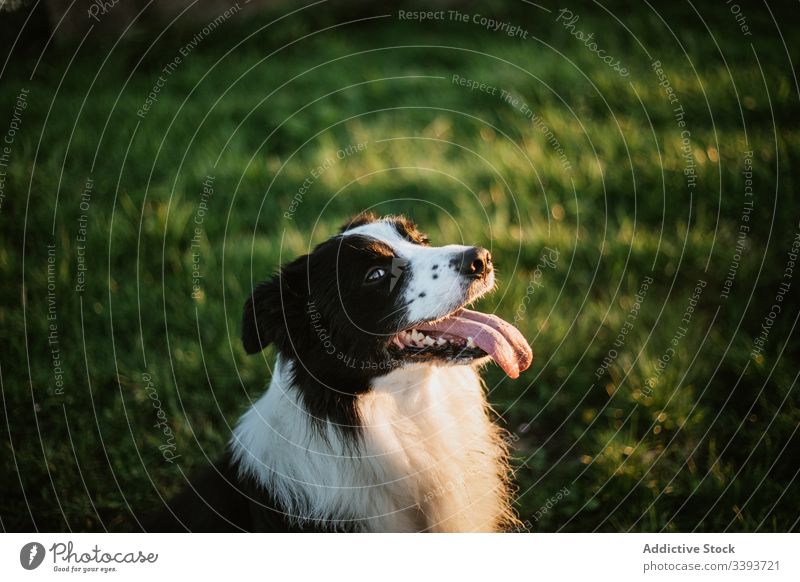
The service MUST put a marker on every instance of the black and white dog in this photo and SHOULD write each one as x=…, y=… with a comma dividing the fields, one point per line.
x=375, y=418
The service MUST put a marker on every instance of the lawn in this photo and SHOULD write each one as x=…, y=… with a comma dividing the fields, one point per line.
x=640, y=204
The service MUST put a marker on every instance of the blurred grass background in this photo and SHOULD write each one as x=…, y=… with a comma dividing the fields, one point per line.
x=712, y=446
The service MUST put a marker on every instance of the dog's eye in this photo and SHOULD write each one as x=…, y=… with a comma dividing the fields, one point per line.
x=375, y=274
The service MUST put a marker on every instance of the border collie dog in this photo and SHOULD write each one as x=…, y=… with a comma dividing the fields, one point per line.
x=375, y=419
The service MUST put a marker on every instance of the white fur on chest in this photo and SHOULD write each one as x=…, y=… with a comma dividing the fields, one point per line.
x=429, y=457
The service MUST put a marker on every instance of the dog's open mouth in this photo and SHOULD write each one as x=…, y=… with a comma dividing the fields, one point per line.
x=462, y=337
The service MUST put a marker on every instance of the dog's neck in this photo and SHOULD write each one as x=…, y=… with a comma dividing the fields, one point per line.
x=425, y=455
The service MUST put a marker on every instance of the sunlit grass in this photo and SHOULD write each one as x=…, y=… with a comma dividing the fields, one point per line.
x=467, y=167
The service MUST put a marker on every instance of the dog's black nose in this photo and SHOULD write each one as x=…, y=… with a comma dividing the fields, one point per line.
x=476, y=263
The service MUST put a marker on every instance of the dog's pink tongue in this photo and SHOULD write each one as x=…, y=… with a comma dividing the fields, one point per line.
x=498, y=338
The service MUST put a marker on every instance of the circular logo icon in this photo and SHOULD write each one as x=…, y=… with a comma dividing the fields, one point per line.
x=31, y=555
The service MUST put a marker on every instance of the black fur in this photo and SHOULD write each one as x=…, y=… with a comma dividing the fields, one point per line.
x=336, y=328
x=219, y=500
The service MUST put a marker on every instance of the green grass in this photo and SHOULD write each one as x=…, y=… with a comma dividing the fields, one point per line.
x=712, y=446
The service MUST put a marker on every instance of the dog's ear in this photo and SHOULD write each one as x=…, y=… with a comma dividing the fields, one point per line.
x=358, y=220
x=274, y=306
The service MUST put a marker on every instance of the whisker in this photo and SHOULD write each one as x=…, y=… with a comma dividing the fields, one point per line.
x=392, y=313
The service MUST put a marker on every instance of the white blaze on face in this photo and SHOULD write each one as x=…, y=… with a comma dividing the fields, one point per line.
x=433, y=286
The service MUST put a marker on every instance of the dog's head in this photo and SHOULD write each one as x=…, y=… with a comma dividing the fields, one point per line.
x=376, y=297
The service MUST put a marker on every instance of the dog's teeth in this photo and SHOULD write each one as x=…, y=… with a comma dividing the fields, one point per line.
x=441, y=341
x=415, y=335
x=428, y=341
x=470, y=342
